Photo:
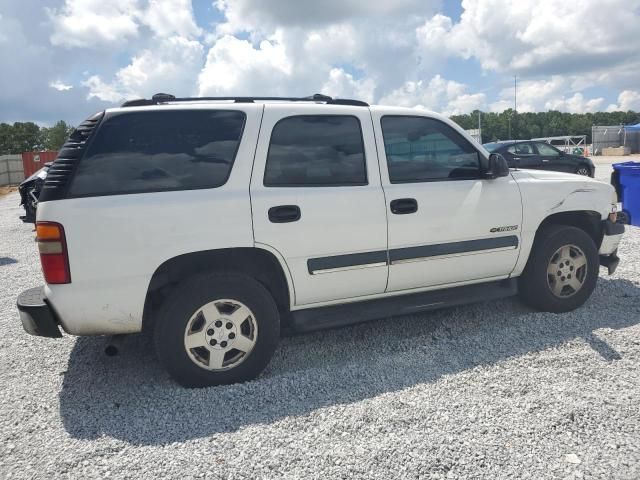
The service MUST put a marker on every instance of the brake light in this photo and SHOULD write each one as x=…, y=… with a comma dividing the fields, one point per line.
x=53, y=252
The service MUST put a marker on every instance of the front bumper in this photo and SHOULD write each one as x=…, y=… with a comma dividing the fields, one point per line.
x=609, y=246
x=36, y=315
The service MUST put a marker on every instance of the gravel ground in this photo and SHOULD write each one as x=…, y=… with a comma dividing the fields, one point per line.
x=491, y=390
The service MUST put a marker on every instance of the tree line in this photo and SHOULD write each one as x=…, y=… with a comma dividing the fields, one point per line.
x=29, y=137
x=526, y=125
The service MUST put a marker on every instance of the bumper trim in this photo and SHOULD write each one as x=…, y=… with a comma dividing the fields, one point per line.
x=610, y=261
x=36, y=315
x=611, y=228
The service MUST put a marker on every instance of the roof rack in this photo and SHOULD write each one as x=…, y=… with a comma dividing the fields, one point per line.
x=161, y=98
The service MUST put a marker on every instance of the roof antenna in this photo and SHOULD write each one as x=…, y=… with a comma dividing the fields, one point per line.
x=163, y=97
x=319, y=97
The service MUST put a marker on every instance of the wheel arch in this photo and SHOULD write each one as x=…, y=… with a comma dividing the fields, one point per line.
x=587, y=220
x=259, y=263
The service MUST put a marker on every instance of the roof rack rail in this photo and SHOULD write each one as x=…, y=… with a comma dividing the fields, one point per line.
x=160, y=98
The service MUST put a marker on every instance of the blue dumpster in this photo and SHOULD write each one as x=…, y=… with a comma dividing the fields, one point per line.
x=627, y=184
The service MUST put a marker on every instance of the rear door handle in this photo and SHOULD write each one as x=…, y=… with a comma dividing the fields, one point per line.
x=402, y=206
x=284, y=214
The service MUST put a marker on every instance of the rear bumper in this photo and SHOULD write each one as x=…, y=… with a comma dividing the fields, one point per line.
x=36, y=315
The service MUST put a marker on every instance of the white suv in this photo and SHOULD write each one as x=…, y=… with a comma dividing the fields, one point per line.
x=218, y=221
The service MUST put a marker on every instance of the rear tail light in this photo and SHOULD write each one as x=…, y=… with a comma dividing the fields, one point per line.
x=53, y=252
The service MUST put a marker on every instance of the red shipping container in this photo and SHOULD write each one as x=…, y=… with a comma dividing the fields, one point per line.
x=34, y=161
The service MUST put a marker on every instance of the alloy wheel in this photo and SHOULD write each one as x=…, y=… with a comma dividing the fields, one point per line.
x=221, y=334
x=567, y=271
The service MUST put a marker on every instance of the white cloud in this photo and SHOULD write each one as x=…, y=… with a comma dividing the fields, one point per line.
x=446, y=96
x=375, y=37
x=98, y=23
x=342, y=85
x=60, y=86
x=575, y=104
x=540, y=36
x=88, y=23
x=235, y=66
x=627, y=100
x=170, y=17
x=170, y=67
x=246, y=15
x=395, y=52
x=554, y=93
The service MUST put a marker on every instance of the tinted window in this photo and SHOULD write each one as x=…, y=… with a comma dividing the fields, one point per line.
x=521, y=149
x=492, y=147
x=160, y=150
x=316, y=150
x=422, y=149
x=547, y=150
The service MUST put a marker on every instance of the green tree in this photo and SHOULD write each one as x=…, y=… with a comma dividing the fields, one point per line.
x=526, y=125
x=25, y=137
x=6, y=137
x=54, y=137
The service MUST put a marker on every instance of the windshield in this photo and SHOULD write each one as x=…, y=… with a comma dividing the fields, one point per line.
x=491, y=147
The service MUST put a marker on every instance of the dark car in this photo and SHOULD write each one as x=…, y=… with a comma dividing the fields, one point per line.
x=540, y=155
x=30, y=192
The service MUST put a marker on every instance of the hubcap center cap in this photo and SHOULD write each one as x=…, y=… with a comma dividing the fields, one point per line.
x=220, y=334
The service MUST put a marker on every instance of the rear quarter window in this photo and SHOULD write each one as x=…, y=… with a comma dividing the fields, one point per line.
x=153, y=151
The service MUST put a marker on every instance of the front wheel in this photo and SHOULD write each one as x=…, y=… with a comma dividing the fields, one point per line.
x=217, y=329
x=562, y=269
x=583, y=170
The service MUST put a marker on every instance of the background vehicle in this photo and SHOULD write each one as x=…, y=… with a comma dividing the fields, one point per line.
x=214, y=222
x=30, y=192
x=540, y=155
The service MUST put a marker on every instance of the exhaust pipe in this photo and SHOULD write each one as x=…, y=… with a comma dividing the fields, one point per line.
x=114, y=344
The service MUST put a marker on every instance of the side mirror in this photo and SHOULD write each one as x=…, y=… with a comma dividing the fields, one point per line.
x=498, y=167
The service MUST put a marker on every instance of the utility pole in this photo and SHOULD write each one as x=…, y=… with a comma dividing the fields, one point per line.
x=515, y=102
x=479, y=127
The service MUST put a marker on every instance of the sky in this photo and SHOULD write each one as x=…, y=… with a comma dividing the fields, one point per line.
x=66, y=59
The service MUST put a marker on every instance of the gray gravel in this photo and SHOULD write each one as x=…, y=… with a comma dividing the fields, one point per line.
x=485, y=391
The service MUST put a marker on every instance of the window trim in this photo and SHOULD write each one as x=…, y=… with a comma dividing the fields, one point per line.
x=481, y=157
x=322, y=185
x=157, y=190
x=481, y=167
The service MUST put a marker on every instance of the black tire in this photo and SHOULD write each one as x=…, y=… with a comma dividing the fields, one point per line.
x=534, y=288
x=186, y=299
x=583, y=170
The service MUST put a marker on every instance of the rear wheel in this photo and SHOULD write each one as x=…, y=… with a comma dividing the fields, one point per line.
x=217, y=329
x=562, y=269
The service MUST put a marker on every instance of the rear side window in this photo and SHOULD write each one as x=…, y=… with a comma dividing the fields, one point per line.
x=421, y=149
x=521, y=149
x=316, y=150
x=154, y=151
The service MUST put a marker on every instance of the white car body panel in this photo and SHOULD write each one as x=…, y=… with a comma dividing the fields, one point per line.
x=116, y=243
x=449, y=211
x=334, y=220
x=546, y=193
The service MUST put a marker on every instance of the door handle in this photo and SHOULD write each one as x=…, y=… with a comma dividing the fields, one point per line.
x=284, y=214
x=545, y=160
x=402, y=206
